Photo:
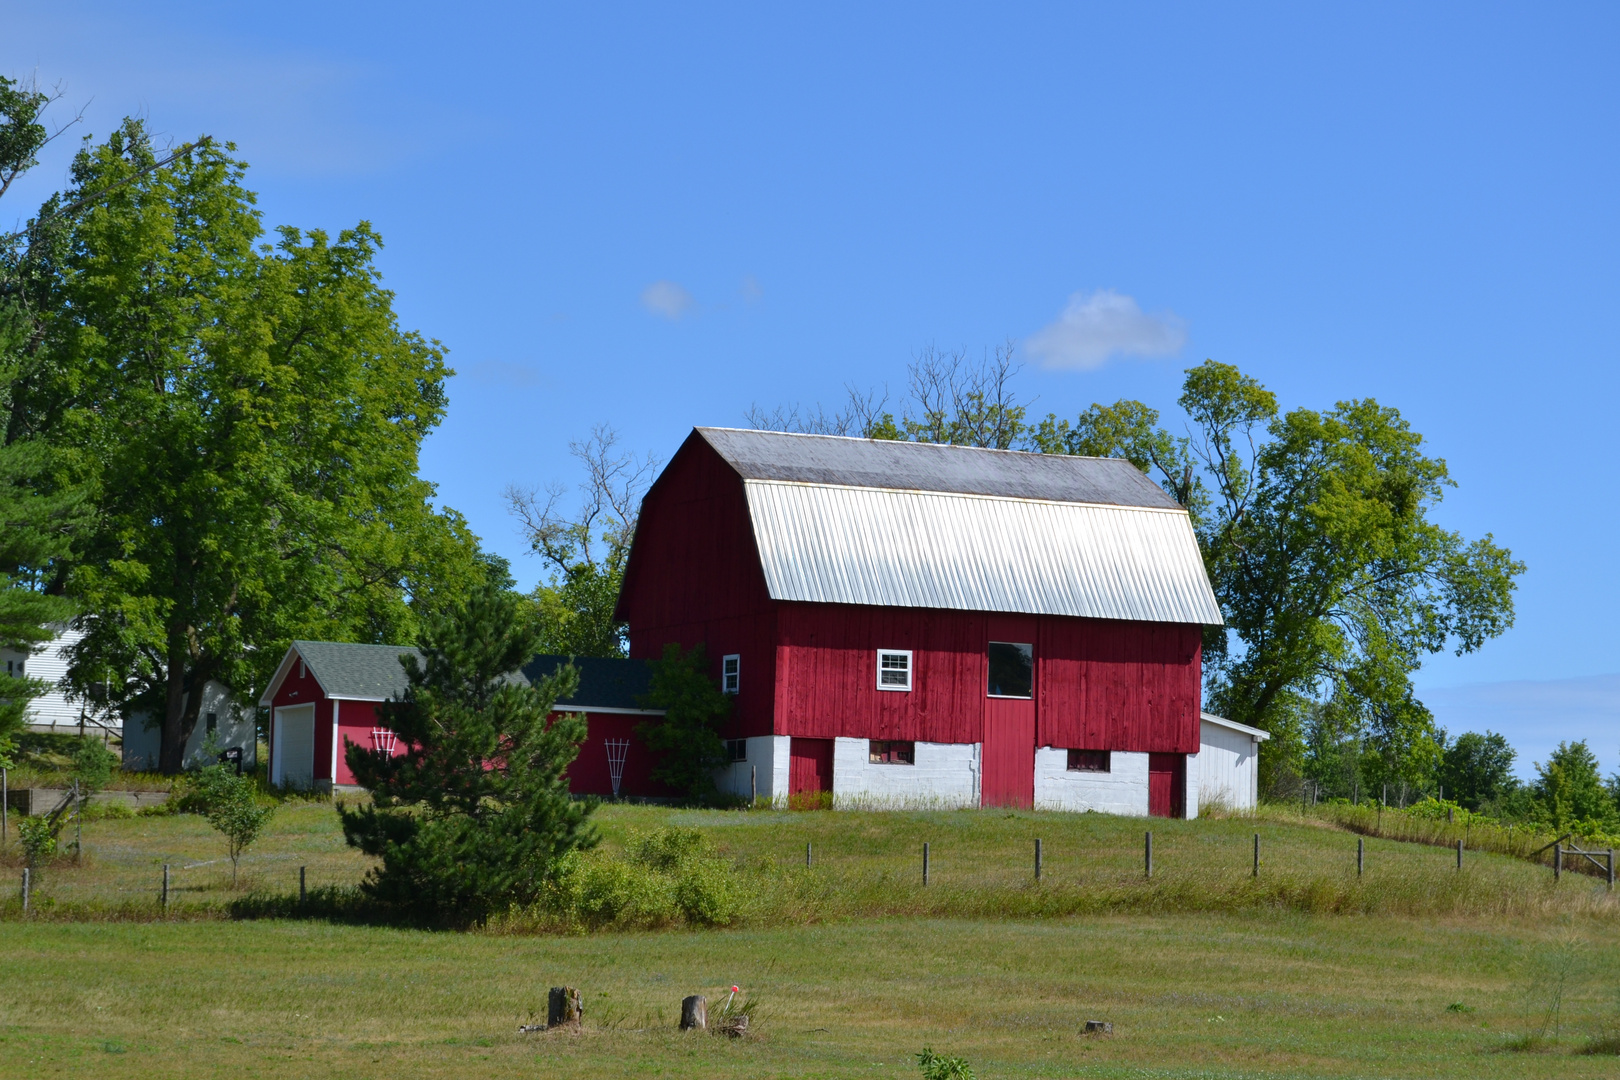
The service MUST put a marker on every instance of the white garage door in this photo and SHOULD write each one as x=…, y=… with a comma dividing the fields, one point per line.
x=295, y=746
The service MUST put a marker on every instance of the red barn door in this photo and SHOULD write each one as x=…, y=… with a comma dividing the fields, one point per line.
x=810, y=768
x=1167, y=785
x=1009, y=753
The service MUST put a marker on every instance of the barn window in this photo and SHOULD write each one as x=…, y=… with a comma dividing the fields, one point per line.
x=213, y=722
x=730, y=673
x=894, y=669
x=736, y=749
x=891, y=752
x=1012, y=670
x=1089, y=761
x=303, y=669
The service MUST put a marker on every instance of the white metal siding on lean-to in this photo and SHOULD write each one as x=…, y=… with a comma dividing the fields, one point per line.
x=854, y=545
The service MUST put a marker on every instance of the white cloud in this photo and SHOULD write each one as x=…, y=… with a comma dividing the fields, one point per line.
x=1099, y=325
x=667, y=299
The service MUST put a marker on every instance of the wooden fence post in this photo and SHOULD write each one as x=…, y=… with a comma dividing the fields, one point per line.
x=1459, y=854
x=753, y=786
x=5, y=806
x=1256, y=854
x=807, y=856
x=925, y=862
x=1361, y=854
x=1147, y=854
x=25, y=889
x=1037, y=858
x=1611, y=868
x=1558, y=861
x=164, y=903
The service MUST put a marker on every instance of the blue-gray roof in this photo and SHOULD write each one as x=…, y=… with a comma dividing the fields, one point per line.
x=374, y=672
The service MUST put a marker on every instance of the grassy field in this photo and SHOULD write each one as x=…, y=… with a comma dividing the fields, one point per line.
x=869, y=864
x=1274, y=994
x=1414, y=970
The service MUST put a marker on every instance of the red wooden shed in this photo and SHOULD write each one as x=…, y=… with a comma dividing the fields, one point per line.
x=325, y=694
x=907, y=623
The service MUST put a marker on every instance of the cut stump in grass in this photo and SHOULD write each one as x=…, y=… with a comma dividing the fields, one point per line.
x=695, y=1013
x=1099, y=1027
x=564, y=1006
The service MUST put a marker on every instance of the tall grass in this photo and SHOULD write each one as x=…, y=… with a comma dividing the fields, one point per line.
x=1516, y=841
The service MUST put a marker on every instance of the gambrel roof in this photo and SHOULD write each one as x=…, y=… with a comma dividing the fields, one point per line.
x=900, y=524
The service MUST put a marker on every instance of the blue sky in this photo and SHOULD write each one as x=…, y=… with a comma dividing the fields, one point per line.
x=658, y=217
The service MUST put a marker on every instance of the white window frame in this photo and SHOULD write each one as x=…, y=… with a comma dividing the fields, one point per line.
x=731, y=673
x=881, y=653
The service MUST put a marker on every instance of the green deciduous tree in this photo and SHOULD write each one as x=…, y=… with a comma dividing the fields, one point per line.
x=1569, y=792
x=235, y=811
x=685, y=741
x=248, y=418
x=475, y=815
x=1478, y=769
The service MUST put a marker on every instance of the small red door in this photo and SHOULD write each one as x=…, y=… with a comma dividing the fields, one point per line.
x=1167, y=785
x=810, y=766
x=1009, y=753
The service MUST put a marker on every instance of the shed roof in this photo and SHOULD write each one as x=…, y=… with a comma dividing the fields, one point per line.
x=351, y=672
x=1221, y=721
x=914, y=466
x=901, y=524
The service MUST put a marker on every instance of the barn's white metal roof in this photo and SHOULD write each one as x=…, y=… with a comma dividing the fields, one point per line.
x=884, y=545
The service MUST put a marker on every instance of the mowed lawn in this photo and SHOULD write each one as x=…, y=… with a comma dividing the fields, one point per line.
x=1190, y=995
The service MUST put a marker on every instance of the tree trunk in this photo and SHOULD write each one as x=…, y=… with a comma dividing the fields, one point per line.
x=172, y=741
x=695, y=1013
x=565, y=1006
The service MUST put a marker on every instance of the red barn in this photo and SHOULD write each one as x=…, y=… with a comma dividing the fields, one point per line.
x=325, y=695
x=915, y=624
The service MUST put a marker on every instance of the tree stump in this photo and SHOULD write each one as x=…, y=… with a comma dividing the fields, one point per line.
x=1099, y=1027
x=565, y=1006
x=695, y=1013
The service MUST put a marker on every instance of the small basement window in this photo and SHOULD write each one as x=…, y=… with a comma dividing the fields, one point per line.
x=891, y=752
x=1089, y=761
x=894, y=669
x=736, y=749
x=1012, y=670
x=730, y=673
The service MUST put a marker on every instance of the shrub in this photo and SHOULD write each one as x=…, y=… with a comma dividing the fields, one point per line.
x=38, y=836
x=666, y=877
x=942, y=1067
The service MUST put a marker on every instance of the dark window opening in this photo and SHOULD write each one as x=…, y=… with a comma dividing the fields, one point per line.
x=891, y=752
x=736, y=749
x=213, y=723
x=1012, y=670
x=1089, y=761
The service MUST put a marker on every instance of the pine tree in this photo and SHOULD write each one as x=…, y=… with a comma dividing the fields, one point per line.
x=474, y=816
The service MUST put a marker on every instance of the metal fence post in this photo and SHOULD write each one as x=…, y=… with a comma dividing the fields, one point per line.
x=1256, y=854
x=925, y=862
x=1611, y=868
x=1459, y=854
x=807, y=856
x=26, y=872
x=1147, y=854
x=1361, y=854
x=165, y=895
x=303, y=892
x=1037, y=858
x=1558, y=861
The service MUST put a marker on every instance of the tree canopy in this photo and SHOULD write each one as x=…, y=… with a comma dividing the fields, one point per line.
x=244, y=421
